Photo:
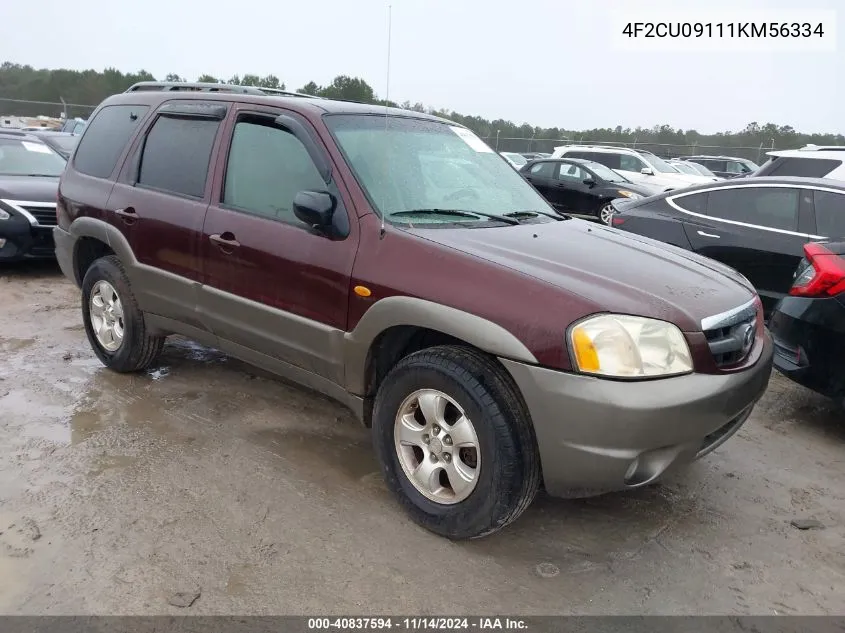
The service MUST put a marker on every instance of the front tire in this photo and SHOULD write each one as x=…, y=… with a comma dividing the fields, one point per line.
x=455, y=442
x=113, y=321
x=605, y=213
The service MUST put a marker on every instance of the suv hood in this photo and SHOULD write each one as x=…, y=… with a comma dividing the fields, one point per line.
x=29, y=188
x=612, y=270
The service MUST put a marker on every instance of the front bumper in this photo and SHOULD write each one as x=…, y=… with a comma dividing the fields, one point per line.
x=597, y=435
x=23, y=240
x=65, y=245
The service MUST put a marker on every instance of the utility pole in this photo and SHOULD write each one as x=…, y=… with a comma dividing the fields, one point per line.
x=497, y=140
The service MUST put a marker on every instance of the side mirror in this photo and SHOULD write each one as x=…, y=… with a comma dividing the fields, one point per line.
x=589, y=181
x=647, y=171
x=315, y=208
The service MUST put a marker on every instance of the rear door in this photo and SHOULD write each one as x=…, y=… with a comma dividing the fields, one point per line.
x=542, y=176
x=754, y=229
x=274, y=288
x=160, y=200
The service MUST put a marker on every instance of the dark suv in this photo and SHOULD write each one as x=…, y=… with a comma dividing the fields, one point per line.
x=393, y=261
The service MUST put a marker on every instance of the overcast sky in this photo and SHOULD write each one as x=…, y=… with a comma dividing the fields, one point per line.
x=545, y=62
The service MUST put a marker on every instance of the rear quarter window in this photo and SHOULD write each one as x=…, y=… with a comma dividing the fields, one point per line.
x=695, y=202
x=830, y=213
x=800, y=167
x=771, y=207
x=105, y=137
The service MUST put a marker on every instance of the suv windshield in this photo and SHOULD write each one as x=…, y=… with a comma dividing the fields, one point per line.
x=685, y=169
x=408, y=165
x=657, y=163
x=603, y=172
x=20, y=157
x=701, y=169
x=517, y=159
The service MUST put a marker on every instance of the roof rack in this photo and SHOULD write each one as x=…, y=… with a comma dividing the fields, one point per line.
x=197, y=86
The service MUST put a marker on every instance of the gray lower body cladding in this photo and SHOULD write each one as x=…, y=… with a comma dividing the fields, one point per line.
x=598, y=435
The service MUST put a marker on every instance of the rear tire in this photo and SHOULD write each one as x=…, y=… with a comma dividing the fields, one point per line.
x=469, y=386
x=113, y=321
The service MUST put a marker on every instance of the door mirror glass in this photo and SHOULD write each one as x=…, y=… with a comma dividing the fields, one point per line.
x=647, y=171
x=315, y=208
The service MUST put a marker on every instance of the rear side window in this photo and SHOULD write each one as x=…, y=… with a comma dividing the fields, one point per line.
x=696, y=202
x=543, y=170
x=772, y=207
x=267, y=167
x=176, y=155
x=714, y=165
x=800, y=167
x=830, y=213
x=105, y=137
x=627, y=162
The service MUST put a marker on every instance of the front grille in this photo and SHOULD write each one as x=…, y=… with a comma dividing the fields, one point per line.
x=731, y=335
x=45, y=216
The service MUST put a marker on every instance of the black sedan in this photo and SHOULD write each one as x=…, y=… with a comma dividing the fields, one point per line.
x=581, y=187
x=29, y=181
x=758, y=226
x=808, y=325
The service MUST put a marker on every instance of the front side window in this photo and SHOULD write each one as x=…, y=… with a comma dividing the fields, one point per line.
x=772, y=207
x=28, y=158
x=830, y=213
x=570, y=173
x=105, y=138
x=736, y=167
x=460, y=173
x=176, y=155
x=628, y=162
x=267, y=167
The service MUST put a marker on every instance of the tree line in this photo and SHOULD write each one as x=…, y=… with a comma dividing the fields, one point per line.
x=21, y=83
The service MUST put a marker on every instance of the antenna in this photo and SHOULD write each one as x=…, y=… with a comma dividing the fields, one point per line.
x=386, y=106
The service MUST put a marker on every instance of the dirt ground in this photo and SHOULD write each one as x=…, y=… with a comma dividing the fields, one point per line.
x=205, y=478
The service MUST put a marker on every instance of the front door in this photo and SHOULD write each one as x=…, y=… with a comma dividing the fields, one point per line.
x=570, y=193
x=274, y=286
x=754, y=230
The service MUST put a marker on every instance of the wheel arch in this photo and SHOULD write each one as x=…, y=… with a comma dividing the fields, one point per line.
x=93, y=239
x=396, y=326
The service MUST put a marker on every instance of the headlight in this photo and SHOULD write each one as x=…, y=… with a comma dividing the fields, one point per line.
x=628, y=194
x=4, y=215
x=625, y=346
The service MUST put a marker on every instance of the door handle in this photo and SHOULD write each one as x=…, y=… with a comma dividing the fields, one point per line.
x=128, y=214
x=702, y=233
x=224, y=240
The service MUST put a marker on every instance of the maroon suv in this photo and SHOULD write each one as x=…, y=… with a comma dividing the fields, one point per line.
x=394, y=262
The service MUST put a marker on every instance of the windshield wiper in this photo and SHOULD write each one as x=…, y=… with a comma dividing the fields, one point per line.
x=528, y=214
x=457, y=212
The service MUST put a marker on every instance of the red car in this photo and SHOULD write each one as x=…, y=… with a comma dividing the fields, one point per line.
x=393, y=261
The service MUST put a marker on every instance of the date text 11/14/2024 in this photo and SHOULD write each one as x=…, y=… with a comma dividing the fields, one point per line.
x=771, y=30
x=415, y=623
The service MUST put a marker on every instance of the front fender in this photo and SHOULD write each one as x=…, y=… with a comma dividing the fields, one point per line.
x=410, y=311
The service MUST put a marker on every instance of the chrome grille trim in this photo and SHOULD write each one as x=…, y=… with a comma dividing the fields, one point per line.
x=730, y=317
x=19, y=206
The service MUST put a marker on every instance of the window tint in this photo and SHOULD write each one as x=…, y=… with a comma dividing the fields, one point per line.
x=714, y=165
x=830, y=213
x=801, y=167
x=608, y=160
x=105, y=137
x=697, y=202
x=570, y=173
x=773, y=207
x=735, y=167
x=627, y=162
x=267, y=167
x=543, y=170
x=176, y=155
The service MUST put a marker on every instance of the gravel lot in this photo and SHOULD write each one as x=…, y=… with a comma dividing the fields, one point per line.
x=206, y=478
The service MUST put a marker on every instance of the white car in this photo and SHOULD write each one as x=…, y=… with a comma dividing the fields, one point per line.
x=812, y=161
x=638, y=166
x=517, y=161
x=687, y=168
